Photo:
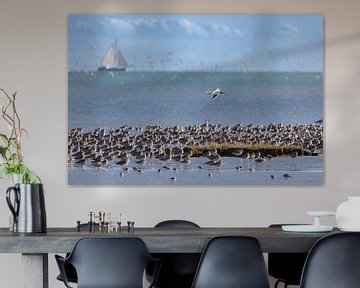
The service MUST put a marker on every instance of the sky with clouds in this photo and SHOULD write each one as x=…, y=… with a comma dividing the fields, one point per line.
x=199, y=42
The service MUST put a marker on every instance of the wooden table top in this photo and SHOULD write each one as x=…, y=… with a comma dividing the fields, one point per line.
x=158, y=240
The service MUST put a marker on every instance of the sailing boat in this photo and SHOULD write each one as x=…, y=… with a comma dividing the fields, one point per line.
x=113, y=60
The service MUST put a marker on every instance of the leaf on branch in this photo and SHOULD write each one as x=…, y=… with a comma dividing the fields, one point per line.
x=4, y=172
x=4, y=137
x=3, y=152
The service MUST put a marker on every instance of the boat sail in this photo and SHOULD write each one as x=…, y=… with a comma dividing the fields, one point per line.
x=113, y=60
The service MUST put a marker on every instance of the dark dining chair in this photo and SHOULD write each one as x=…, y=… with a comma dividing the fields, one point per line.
x=70, y=271
x=333, y=262
x=232, y=262
x=286, y=267
x=108, y=263
x=178, y=269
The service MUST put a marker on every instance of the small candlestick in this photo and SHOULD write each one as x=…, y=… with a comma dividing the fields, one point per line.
x=78, y=225
x=131, y=226
x=90, y=221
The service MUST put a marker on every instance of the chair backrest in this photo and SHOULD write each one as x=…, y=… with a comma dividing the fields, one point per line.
x=176, y=224
x=286, y=267
x=110, y=262
x=178, y=269
x=333, y=262
x=232, y=262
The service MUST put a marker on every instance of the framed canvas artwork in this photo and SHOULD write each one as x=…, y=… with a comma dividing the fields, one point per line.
x=195, y=100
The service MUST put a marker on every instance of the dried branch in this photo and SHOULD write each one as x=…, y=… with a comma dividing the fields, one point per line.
x=12, y=159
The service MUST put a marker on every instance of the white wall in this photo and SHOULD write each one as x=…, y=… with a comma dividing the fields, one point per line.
x=33, y=62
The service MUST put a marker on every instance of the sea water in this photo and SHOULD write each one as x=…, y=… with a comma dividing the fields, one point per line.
x=113, y=99
x=302, y=171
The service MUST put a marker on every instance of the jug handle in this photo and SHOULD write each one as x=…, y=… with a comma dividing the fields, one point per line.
x=13, y=208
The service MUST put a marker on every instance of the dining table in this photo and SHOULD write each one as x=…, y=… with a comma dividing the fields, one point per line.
x=35, y=247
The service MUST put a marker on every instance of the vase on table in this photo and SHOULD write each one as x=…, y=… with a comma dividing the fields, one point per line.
x=27, y=205
x=348, y=214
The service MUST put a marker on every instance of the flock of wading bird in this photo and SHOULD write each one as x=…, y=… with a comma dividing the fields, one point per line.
x=130, y=148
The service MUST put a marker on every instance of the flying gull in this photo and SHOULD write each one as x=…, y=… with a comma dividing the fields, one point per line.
x=215, y=93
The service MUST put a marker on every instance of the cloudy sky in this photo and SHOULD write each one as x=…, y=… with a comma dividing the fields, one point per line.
x=199, y=43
